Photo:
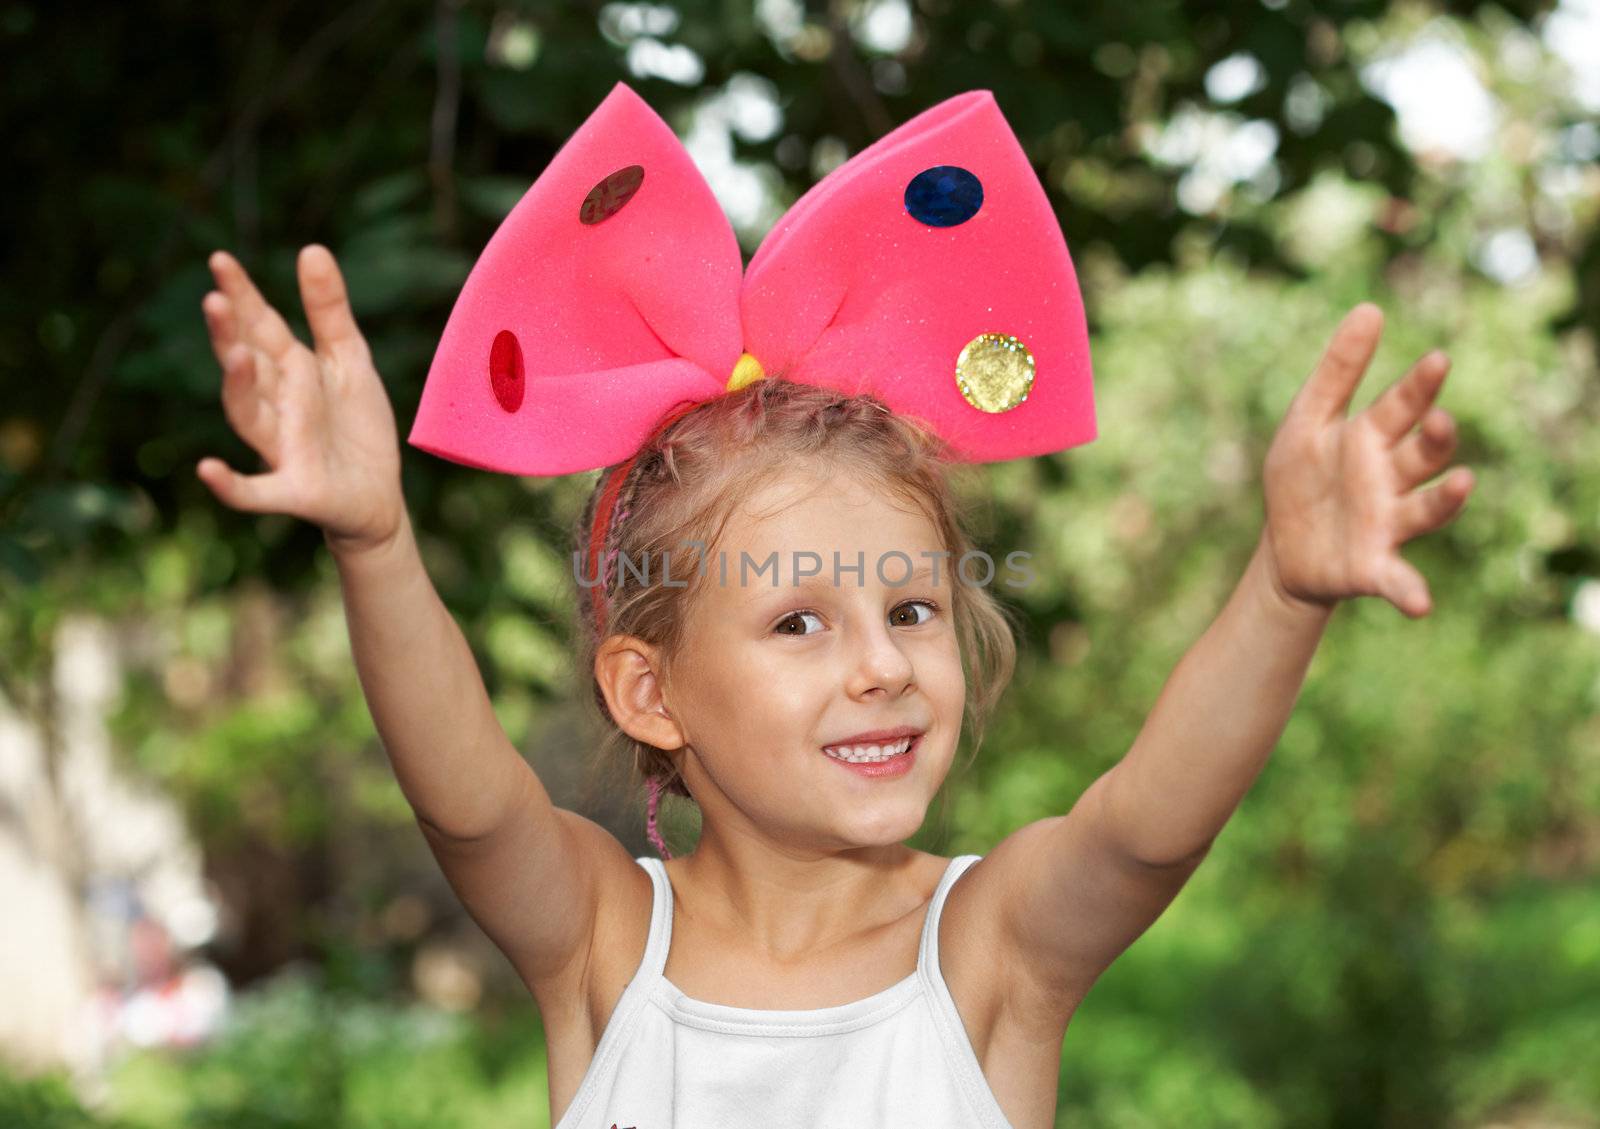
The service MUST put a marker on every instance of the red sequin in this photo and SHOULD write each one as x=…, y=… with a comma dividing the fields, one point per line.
x=505, y=370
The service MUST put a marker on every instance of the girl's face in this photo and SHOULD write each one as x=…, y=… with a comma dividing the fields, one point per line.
x=771, y=673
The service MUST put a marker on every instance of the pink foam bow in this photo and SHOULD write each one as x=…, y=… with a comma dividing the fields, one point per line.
x=928, y=270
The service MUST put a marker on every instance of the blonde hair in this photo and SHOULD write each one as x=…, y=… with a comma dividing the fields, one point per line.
x=687, y=482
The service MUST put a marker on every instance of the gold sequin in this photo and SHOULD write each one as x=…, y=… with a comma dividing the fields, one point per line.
x=747, y=371
x=994, y=372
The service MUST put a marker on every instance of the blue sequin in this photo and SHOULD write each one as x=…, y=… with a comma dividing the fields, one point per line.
x=944, y=196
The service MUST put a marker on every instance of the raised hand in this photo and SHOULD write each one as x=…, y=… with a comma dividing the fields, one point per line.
x=1340, y=496
x=321, y=420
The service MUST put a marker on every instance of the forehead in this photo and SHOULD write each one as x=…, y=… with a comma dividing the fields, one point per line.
x=823, y=515
x=824, y=505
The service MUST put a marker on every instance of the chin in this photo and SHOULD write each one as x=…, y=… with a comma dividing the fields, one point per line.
x=885, y=826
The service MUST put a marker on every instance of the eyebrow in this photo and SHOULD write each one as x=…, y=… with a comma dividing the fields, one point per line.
x=821, y=580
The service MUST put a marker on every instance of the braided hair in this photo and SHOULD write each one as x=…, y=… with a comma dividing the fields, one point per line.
x=609, y=530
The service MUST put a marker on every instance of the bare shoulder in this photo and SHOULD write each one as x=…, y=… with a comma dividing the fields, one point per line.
x=1054, y=904
x=622, y=922
x=620, y=892
x=1014, y=1022
x=992, y=985
x=576, y=1005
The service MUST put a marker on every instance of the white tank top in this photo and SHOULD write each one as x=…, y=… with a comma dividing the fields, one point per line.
x=900, y=1057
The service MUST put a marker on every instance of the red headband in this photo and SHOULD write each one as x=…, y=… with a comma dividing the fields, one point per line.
x=604, y=508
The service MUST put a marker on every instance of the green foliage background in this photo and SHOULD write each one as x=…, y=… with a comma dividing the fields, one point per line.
x=1400, y=927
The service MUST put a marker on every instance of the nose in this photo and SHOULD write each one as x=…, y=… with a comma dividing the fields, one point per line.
x=879, y=662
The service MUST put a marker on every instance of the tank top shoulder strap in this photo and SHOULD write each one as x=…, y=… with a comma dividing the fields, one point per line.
x=659, y=942
x=967, y=1072
x=620, y=1027
x=660, y=939
x=928, y=952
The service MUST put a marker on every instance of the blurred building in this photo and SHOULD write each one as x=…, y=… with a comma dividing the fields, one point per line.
x=102, y=887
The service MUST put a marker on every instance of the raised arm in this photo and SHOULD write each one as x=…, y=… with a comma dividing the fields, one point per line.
x=1215, y=722
x=454, y=762
x=323, y=424
x=1340, y=501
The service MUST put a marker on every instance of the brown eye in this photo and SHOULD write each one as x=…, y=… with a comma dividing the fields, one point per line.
x=794, y=617
x=931, y=607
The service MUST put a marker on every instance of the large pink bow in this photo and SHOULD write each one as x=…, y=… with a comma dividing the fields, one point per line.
x=928, y=270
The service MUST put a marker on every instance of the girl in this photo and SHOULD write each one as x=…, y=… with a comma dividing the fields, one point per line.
x=802, y=966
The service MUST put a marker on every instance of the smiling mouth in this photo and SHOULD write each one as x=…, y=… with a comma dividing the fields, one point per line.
x=872, y=753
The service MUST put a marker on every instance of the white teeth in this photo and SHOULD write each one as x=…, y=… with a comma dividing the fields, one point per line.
x=857, y=754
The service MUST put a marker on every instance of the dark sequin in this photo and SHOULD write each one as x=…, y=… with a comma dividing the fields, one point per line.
x=944, y=196
x=608, y=197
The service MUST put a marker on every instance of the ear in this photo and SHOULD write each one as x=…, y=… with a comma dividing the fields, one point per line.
x=628, y=670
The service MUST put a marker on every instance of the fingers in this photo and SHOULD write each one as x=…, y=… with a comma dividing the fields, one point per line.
x=258, y=323
x=1404, y=587
x=220, y=324
x=1426, y=510
x=1397, y=410
x=1424, y=451
x=224, y=330
x=322, y=289
x=1326, y=395
x=252, y=493
x=247, y=401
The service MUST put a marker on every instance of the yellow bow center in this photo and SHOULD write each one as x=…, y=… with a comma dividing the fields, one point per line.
x=747, y=371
